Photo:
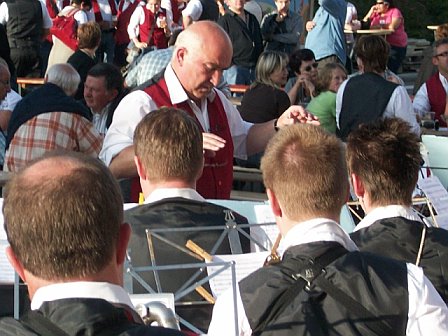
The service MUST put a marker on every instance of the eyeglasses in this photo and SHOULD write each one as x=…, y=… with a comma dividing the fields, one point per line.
x=444, y=54
x=309, y=67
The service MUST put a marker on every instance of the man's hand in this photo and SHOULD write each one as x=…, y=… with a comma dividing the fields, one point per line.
x=212, y=143
x=310, y=25
x=296, y=114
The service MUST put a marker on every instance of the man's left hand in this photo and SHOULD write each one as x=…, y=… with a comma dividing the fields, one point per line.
x=296, y=114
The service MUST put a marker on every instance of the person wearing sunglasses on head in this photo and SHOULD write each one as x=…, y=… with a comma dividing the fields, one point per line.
x=432, y=95
x=301, y=88
x=384, y=15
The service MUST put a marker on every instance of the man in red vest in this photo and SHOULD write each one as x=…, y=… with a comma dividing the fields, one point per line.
x=105, y=12
x=432, y=96
x=201, y=54
x=124, y=13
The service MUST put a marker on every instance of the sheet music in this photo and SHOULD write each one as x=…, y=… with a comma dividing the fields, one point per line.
x=436, y=194
x=6, y=270
x=442, y=220
x=244, y=265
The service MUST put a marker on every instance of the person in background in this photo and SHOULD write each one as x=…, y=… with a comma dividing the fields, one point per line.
x=384, y=161
x=326, y=36
x=427, y=67
x=69, y=247
x=105, y=13
x=197, y=10
x=89, y=36
x=124, y=11
x=433, y=95
x=60, y=52
x=281, y=29
x=323, y=105
x=302, y=88
x=370, y=96
x=352, y=24
x=384, y=15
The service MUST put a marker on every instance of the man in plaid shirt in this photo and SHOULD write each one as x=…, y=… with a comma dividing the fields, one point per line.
x=49, y=118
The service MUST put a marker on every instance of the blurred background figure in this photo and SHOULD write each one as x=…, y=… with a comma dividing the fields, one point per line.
x=384, y=15
x=323, y=105
x=124, y=12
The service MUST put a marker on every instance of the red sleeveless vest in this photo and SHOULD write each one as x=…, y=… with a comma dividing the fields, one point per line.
x=123, y=17
x=217, y=176
x=97, y=11
x=437, y=97
x=176, y=11
x=158, y=38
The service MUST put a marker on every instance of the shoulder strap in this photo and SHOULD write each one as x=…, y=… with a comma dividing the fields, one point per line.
x=41, y=325
x=303, y=277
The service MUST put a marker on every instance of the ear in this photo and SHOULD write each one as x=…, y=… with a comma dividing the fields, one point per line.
x=16, y=264
x=180, y=55
x=358, y=185
x=435, y=61
x=113, y=94
x=140, y=168
x=123, y=241
x=273, y=201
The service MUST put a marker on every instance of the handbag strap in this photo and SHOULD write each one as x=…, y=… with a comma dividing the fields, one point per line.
x=41, y=325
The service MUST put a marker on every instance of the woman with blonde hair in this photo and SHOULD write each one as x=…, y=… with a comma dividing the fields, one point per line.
x=266, y=100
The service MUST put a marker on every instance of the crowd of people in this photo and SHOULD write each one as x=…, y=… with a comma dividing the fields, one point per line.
x=142, y=96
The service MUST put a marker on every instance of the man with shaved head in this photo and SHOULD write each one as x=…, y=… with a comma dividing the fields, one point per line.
x=69, y=248
x=200, y=55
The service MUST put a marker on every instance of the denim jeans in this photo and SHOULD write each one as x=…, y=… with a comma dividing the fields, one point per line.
x=239, y=75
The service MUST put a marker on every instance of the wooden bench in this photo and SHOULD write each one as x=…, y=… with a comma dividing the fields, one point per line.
x=23, y=82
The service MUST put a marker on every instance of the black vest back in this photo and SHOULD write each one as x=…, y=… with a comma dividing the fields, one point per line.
x=375, y=282
x=399, y=238
x=210, y=10
x=364, y=100
x=25, y=22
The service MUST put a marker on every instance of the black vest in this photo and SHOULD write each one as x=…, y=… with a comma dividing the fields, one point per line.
x=210, y=10
x=364, y=100
x=25, y=22
x=399, y=238
x=377, y=283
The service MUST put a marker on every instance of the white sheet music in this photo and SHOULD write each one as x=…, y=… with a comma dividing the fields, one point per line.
x=6, y=270
x=244, y=265
x=436, y=194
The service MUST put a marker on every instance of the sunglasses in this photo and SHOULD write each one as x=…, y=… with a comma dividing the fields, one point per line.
x=444, y=54
x=309, y=67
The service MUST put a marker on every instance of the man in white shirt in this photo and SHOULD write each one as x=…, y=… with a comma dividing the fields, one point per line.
x=384, y=161
x=69, y=247
x=432, y=95
x=323, y=285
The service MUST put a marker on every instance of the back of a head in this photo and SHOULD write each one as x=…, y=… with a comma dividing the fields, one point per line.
x=112, y=76
x=267, y=64
x=65, y=76
x=385, y=155
x=297, y=56
x=73, y=215
x=441, y=32
x=169, y=144
x=305, y=167
x=373, y=51
x=89, y=35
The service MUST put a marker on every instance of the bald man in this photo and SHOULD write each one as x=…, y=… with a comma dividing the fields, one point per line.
x=200, y=55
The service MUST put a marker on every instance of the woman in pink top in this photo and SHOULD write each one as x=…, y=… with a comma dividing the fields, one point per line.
x=385, y=15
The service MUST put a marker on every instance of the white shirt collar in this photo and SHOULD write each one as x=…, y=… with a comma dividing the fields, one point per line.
x=163, y=193
x=388, y=211
x=81, y=289
x=444, y=81
x=314, y=230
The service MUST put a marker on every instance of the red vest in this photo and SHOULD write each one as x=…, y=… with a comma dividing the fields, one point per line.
x=437, y=97
x=176, y=11
x=123, y=17
x=97, y=11
x=217, y=176
x=158, y=37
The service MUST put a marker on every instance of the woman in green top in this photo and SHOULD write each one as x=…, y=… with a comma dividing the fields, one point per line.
x=323, y=105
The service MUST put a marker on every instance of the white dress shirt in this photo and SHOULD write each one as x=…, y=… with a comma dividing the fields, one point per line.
x=193, y=10
x=388, y=211
x=421, y=99
x=137, y=104
x=47, y=23
x=162, y=193
x=428, y=314
x=81, y=289
x=399, y=106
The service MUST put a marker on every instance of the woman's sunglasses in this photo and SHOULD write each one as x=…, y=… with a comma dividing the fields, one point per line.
x=309, y=67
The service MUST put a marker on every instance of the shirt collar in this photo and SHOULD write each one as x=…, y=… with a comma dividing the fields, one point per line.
x=175, y=89
x=388, y=211
x=318, y=229
x=81, y=289
x=163, y=193
x=443, y=80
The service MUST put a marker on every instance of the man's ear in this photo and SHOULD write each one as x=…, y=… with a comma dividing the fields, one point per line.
x=180, y=55
x=273, y=201
x=140, y=169
x=16, y=264
x=123, y=241
x=358, y=185
x=435, y=61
